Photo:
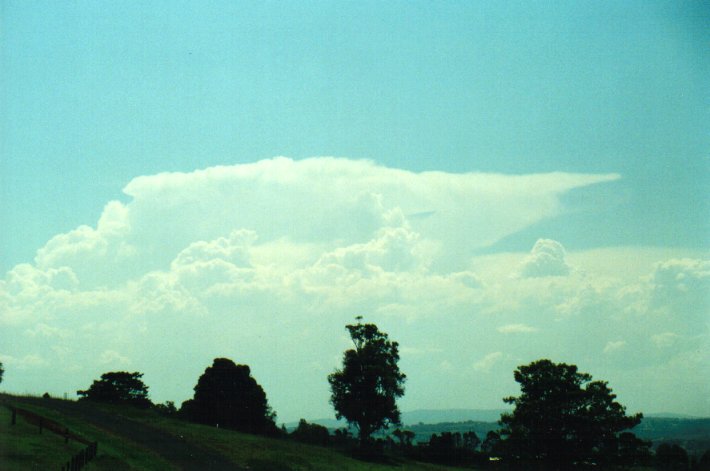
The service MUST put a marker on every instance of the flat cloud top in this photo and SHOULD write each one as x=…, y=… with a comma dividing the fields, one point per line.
x=325, y=201
x=266, y=262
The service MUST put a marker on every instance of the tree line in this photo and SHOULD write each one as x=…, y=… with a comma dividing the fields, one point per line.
x=562, y=419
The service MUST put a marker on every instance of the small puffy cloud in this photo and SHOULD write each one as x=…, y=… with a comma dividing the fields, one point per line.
x=43, y=330
x=516, y=329
x=486, y=363
x=614, y=346
x=685, y=278
x=112, y=358
x=25, y=362
x=233, y=249
x=664, y=340
x=547, y=258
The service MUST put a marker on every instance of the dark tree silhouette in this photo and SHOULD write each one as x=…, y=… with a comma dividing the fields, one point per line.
x=168, y=408
x=314, y=434
x=671, y=457
x=365, y=390
x=470, y=440
x=227, y=396
x=704, y=462
x=405, y=438
x=563, y=417
x=2, y=371
x=118, y=387
x=491, y=443
x=632, y=451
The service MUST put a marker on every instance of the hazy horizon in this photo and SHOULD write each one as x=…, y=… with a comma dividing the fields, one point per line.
x=490, y=183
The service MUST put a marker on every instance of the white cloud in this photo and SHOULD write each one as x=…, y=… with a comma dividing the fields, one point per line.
x=23, y=363
x=266, y=263
x=547, y=258
x=487, y=362
x=665, y=339
x=613, y=346
x=113, y=359
x=516, y=329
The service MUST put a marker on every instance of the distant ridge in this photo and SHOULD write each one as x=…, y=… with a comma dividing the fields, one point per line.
x=435, y=416
x=427, y=416
x=440, y=416
x=671, y=415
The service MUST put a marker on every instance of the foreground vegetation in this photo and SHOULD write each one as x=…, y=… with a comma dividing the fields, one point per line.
x=561, y=420
x=25, y=449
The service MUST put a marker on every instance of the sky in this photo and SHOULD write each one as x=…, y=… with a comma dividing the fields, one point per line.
x=489, y=182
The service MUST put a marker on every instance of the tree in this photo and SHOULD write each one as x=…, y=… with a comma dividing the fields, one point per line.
x=168, y=408
x=226, y=395
x=471, y=440
x=671, y=457
x=118, y=387
x=365, y=390
x=491, y=443
x=704, y=462
x=563, y=417
x=2, y=371
x=314, y=434
x=405, y=438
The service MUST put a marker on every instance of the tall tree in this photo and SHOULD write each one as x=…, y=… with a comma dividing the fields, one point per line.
x=228, y=396
x=365, y=390
x=562, y=416
x=2, y=371
x=118, y=387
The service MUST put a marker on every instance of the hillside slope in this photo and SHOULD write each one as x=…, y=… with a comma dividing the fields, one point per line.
x=142, y=440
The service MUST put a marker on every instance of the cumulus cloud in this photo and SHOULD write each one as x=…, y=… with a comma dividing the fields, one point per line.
x=487, y=362
x=266, y=263
x=326, y=201
x=113, y=359
x=547, y=258
x=613, y=346
x=516, y=329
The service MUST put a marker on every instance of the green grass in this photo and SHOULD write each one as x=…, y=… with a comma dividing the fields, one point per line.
x=21, y=446
x=268, y=454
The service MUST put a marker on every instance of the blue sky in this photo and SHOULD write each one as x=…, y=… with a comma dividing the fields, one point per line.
x=97, y=94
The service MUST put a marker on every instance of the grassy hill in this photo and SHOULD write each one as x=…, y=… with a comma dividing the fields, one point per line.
x=133, y=439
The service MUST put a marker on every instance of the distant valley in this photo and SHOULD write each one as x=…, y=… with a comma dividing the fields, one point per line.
x=692, y=433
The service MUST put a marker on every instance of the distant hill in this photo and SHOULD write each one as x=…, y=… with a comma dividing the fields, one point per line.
x=436, y=416
x=425, y=416
x=672, y=415
x=691, y=433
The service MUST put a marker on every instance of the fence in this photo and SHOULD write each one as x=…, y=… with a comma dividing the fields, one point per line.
x=82, y=458
x=77, y=461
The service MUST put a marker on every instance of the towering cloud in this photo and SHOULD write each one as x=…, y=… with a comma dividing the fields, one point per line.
x=266, y=262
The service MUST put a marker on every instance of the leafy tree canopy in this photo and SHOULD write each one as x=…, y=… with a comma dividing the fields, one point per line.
x=314, y=434
x=226, y=395
x=118, y=387
x=2, y=371
x=365, y=390
x=562, y=416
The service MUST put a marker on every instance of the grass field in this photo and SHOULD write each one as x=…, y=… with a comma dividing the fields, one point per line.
x=264, y=454
x=23, y=448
